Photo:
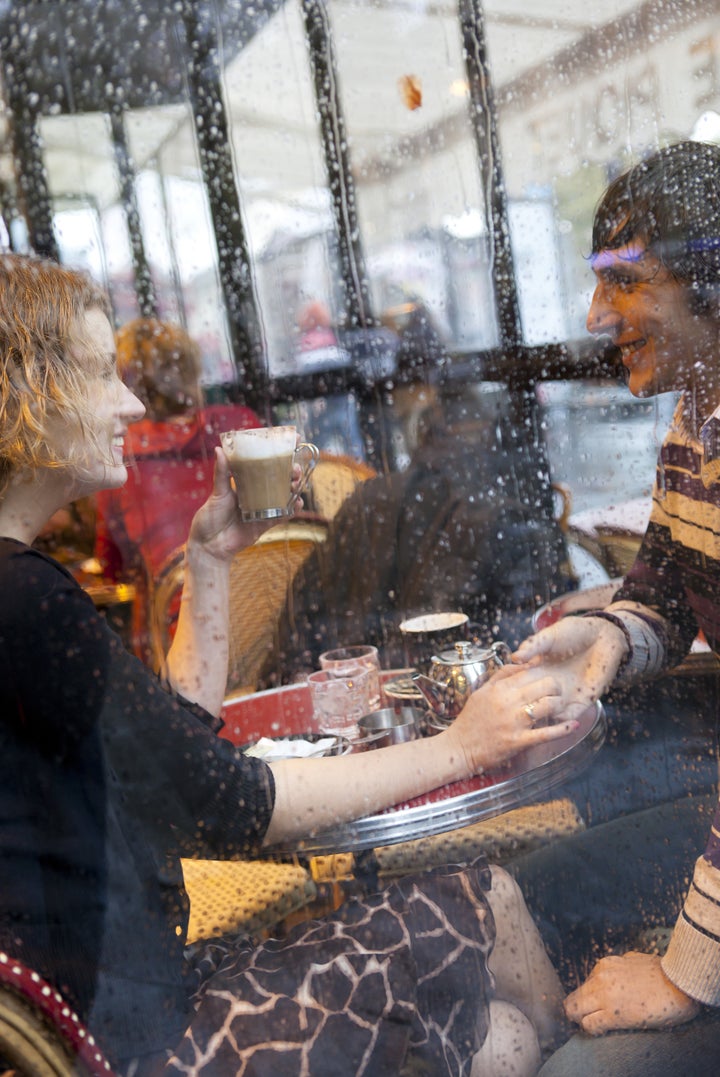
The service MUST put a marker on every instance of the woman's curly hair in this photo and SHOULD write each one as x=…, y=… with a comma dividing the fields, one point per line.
x=41, y=306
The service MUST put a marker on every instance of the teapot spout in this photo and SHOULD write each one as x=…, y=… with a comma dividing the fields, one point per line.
x=439, y=696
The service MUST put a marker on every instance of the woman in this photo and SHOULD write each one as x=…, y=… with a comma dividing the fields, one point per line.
x=107, y=777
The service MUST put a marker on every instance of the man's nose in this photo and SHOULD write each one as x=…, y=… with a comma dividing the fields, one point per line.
x=602, y=316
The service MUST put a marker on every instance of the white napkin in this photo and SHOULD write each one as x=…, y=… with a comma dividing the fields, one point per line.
x=266, y=748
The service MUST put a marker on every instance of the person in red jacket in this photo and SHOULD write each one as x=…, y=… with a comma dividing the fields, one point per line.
x=171, y=452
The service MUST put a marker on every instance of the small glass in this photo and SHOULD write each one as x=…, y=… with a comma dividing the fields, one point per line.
x=339, y=701
x=344, y=661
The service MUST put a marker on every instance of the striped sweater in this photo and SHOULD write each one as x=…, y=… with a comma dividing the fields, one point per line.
x=671, y=592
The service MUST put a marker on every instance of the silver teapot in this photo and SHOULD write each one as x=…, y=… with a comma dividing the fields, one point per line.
x=454, y=675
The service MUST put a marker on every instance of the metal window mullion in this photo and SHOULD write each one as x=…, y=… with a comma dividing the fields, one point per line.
x=144, y=288
x=484, y=124
x=216, y=165
x=27, y=150
x=323, y=65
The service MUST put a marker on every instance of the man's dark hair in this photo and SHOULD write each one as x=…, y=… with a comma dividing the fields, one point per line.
x=670, y=201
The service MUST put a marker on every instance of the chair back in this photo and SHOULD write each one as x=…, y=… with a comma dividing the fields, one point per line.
x=260, y=580
x=39, y=1032
x=333, y=480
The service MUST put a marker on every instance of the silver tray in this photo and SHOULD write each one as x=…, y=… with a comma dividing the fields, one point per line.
x=530, y=777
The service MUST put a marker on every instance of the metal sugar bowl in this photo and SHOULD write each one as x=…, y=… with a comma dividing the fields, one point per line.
x=454, y=675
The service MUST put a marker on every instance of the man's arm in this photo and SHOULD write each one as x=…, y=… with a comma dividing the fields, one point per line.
x=692, y=960
x=645, y=991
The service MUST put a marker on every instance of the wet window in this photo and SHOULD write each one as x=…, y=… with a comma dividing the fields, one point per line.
x=373, y=220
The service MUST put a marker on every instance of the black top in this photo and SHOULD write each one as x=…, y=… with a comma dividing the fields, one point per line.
x=106, y=780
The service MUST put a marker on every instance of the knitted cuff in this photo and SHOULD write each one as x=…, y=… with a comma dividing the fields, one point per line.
x=617, y=621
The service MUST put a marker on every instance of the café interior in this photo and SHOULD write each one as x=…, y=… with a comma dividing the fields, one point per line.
x=373, y=218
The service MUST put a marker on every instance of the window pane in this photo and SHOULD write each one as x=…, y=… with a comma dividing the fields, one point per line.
x=283, y=185
x=582, y=90
x=405, y=95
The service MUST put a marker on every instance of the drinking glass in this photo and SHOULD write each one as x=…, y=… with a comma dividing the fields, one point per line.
x=344, y=661
x=339, y=701
x=261, y=461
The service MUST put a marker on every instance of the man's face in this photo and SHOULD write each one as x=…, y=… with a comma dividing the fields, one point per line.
x=645, y=311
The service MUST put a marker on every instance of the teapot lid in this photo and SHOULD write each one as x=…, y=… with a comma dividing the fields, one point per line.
x=463, y=653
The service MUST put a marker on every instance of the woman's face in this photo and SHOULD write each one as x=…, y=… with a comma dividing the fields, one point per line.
x=100, y=463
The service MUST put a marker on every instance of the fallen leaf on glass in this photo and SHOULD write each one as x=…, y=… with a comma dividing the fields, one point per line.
x=410, y=91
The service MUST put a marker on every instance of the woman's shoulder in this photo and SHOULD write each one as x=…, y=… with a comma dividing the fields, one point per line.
x=29, y=576
x=15, y=554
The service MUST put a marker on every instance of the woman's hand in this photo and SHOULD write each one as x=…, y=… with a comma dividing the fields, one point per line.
x=629, y=992
x=514, y=710
x=583, y=655
x=218, y=527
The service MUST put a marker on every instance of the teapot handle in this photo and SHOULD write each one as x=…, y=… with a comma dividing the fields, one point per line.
x=502, y=652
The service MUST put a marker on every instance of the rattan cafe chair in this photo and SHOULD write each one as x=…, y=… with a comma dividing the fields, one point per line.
x=40, y=1034
x=334, y=479
x=511, y=834
x=252, y=896
x=260, y=580
x=612, y=535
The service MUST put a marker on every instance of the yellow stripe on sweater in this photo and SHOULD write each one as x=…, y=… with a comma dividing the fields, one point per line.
x=692, y=523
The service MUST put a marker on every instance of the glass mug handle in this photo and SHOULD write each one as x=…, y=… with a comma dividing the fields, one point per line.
x=502, y=652
x=312, y=455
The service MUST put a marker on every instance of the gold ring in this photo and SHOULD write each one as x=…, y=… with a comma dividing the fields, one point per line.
x=529, y=709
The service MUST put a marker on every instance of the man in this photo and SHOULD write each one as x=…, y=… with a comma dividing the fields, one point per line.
x=656, y=257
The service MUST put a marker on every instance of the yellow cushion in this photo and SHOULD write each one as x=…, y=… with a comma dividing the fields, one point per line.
x=228, y=896
x=498, y=839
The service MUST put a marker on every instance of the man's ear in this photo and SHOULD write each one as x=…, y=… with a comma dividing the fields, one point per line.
x=704, y=300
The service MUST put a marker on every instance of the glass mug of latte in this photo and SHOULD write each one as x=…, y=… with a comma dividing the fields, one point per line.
x=261, y=462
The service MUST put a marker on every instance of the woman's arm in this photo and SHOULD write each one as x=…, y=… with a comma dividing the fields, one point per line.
x=314, y=794
x=197, y=662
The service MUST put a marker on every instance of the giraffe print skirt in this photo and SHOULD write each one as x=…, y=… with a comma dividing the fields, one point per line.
x=394, y=985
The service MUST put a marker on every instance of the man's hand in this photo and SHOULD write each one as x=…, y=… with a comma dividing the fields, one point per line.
x=628, y=992
x=582, y=653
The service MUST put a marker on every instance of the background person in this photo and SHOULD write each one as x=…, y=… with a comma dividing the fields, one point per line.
x=467, y=526
x=171, y=451
x=656, y=257
x=108, y=775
